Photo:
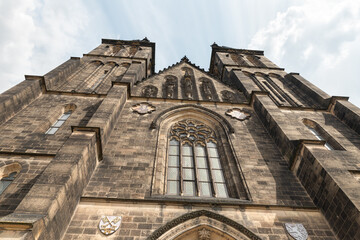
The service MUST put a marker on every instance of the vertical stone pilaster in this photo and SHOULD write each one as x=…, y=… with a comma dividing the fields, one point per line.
x=48, y=207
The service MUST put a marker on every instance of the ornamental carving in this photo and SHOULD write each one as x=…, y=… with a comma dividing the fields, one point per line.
x=204, y=234
x=149, y=91
x=296, y=230
x=192, y=219
x=170, y=87
x=143, y=108
x=238, y=114
x=228, y=96
x=188, y=84
x=207, y=89
x=109, y=224
x=192, y=131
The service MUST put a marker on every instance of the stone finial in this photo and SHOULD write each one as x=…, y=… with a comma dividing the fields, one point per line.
x=145, y=39
x=185, y=59
x=214, y=45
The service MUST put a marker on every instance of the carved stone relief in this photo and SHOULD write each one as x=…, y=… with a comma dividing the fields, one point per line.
x=207, y=90
x=296, y=230
x=149, y=91
x=188, y=84
x=143, y=108
x=238, y=114
x=204, y=234
x=201, y=228
x=170, y=87
x=228, y=96
x=109, y=224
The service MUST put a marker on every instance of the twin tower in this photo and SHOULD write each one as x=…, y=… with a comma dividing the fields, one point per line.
x=102, y=147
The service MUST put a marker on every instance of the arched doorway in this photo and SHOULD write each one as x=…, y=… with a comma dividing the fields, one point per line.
x=202, y=225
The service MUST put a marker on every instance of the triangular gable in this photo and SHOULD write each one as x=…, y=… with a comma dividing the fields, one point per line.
x=186, y=81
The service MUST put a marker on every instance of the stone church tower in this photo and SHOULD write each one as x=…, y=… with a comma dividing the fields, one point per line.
x=102, y=147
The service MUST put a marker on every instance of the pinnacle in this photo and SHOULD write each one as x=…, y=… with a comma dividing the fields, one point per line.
x=185, y=59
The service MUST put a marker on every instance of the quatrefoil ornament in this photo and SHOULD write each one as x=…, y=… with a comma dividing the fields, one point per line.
x=238, y=114
x=143, y=108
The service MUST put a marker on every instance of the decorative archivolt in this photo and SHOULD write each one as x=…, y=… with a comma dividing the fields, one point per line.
x=203, y=225
x=204, y=114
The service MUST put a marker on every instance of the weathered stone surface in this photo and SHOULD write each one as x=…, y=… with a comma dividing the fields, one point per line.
x=107, y=160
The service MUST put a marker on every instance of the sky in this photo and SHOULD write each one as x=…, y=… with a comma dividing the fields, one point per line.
x=320, y=39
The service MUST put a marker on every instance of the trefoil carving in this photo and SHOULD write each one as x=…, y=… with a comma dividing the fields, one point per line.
x=143, y=108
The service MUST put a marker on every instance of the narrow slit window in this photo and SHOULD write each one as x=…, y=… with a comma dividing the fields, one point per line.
x=194, y=166
x=55, y=127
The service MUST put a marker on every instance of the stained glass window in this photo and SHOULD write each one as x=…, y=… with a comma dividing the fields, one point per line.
x=194, y=165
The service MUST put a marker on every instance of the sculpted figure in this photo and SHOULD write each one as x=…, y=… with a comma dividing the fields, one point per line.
x=170, y=87
x=149, y=91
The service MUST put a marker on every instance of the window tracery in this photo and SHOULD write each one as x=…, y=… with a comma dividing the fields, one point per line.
x=194, y=167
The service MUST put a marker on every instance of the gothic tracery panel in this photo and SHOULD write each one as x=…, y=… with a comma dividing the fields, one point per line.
x=194, y=166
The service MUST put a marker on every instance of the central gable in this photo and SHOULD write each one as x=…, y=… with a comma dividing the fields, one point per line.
x=186, y=81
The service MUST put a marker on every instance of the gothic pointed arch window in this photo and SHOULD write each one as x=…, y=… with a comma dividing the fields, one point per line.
x=194, y=167
x=195, y=157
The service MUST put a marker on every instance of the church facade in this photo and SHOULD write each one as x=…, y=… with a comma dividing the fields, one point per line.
x=102, y=147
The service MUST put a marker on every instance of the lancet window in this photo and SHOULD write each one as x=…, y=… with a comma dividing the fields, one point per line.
x=194, y=166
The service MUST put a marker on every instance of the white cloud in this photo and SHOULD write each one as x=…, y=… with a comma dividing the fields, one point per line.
x=37, y=36
x=320, y=39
